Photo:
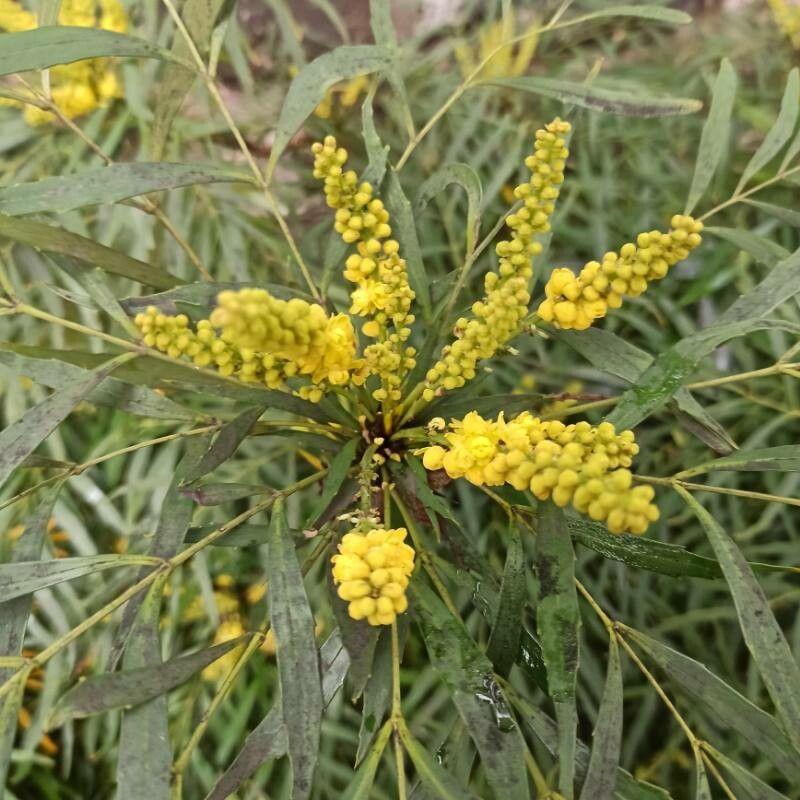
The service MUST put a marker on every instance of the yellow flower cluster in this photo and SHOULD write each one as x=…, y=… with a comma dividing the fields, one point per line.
x=787, y=17
x=382, y=292
x=579, y=464
x=372, y=569
x=345, y=94
x=259, y=338
x=508, y=62
x=497, y=317
x=576, y=301
x=83, y=86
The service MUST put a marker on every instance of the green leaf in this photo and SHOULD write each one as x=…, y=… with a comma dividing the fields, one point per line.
x=658, y=13
x=716, y=130
x=269, y=740
x=436, y=780
x=22, y=437
x=601, y=775
x=296, y=653
x=782, y=458
x=503, y=645
x=672, y=367
x=215, y=494
x=360, y=787
x=377, y=691
x=144, y=733
x=787, y=215
x=405, y=231
x=760, y=248
x=131, y=687
x=702, y=791
x=58, y=44
x=489, y=405
x=109, y=184
x=241, y=536
x=23, y=577
x=49, y=239
x=779, y=134
x=726, y=706
x=466, y=177
x=312, y=82
x=337, y=474
x=10, y=704
x=558, y=619
x=746, y=785
x=608, y=100
x=762, y=633
x=226, y=443
x=56, y=374
x=467, y=674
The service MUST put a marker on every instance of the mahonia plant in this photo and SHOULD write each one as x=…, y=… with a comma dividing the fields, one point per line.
x=298, y=346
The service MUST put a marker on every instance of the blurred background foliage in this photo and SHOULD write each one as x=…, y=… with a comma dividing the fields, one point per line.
x=626, y=174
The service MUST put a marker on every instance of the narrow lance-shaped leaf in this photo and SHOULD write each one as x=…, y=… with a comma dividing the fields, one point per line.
x=601, y=775
x=596, y=98
x=83, y=251
x=780, y=133
x=503, y=646
x=745, y=785
x=24, y=577
x=782, y=458
x=714, y=138
x=467, y=674
x=726, y=706
x=109, y=184
x=337, y=474
x=360, y=787
x=672, y=16
x=131, y=687
x=702, y=791
x=762, y=633
x=558, y=619
x=313, y=80
x=296, y=653
x=57, y=44
x=22, y=437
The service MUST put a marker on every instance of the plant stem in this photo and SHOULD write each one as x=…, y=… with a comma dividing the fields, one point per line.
x=702, y=487
x=397, y=714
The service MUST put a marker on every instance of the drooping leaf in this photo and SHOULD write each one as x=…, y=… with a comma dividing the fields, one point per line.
x=23, y=577
x=558, y=620
x=601, y=774
x=377, y=693
x=609, y=100
x=763, y=250
x=22, y=437
x=56, y=374
x=716, y=130
x=296, y=653
x=466, y=177
x=312, y=81
x=672, y=367
x=467, y=674
x=726, y=705
x=109, y=184
x=779, y=134
x=58, y=44
x=762, y=633
x=52, y=240
x=131, y=687
x=360, y=787
x=503, y=645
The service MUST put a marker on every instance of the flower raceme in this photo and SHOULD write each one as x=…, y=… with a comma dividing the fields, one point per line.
x=259, y=338
x=372, y=569
x=83, y=86
x=576, y=301
x=498, y=316
x=580, y=464
x=382, y=294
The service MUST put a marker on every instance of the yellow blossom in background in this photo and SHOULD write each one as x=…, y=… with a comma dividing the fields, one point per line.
x=787, y=17
x=498, y=316
x=372, y=570
x=580, y=464
x=83, y=86
x=344, y=94
x=382, y=294
x=576, y=301
x=508, y=62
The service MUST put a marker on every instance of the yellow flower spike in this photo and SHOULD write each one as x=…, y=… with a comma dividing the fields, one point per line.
x=256, y=337
x=382, y=293
x=79, y=88
x=578, y=464
x=371, y=571
x=787, y=18
x=498, y=316
x=576, y=301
